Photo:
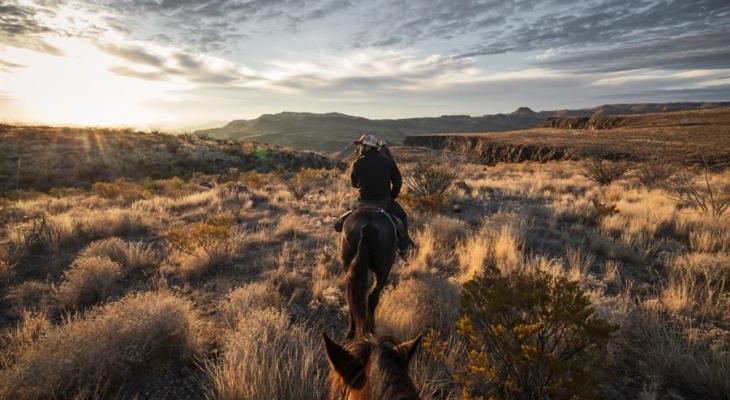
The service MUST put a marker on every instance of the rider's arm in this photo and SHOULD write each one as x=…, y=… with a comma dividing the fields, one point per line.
x=396, y=180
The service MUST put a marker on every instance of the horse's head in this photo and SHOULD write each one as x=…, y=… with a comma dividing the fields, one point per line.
x=371, y=368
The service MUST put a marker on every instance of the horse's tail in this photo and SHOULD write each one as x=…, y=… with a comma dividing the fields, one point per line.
x=357, y=280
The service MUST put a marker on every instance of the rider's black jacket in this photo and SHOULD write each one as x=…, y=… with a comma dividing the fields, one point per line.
x=373, y=173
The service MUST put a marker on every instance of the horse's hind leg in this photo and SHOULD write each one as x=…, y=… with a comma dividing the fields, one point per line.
x=374, y=296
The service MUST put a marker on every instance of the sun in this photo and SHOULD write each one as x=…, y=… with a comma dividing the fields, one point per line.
x=79, y=88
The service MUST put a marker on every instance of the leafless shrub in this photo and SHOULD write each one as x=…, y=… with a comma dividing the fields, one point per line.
x=429, y=179
x=696, y=191
x=654, y=174
x=603, y=172
x=104, y=349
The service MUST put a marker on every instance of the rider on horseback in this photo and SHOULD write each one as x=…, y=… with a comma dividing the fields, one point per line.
x=379, y=181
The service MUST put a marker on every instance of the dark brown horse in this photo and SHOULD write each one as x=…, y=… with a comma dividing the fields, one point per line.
x=369, y=368
x=368, y=242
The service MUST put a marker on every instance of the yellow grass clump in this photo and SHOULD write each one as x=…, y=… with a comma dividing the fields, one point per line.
x=100, y=351
x=415, y=305
x=267, y=357
x=88, y=281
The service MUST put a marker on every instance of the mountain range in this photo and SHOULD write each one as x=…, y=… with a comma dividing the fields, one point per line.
x=334, y=132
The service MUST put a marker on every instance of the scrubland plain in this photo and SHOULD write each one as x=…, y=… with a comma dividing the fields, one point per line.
x=220, y=284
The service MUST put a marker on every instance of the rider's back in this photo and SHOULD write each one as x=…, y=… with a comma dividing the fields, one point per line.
x=373, y=173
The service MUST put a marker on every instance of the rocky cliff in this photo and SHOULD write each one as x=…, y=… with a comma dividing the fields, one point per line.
x=595, y=122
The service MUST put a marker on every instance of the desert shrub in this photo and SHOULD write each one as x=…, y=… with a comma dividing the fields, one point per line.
x=446, y=230
x=253, y=296
x=163, y=186
x=303, y=181
x=88, y=281
x=409, y=309
x=113, y=222
x=43, y=234
x=32, y=326
x=693, y=190
x=289, y=227
x=428, y=185
x=102, y=350
x=654, y=174
x=266, y=357
x=29, y=295
x=690, y=367
x=202, y=246
x=130, y=255
x=530, y=336
x=603, y=172
x=120, y=190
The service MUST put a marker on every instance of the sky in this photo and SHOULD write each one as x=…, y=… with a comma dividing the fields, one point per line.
x=175, y=64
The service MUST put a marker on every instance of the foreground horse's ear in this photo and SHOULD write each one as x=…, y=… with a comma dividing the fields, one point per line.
x=342, y=362
x=409, y=348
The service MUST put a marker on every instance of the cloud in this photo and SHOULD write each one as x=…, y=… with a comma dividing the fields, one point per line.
x=20, y=27
x=7, y=64
x=130, y=73
x=709, y=51
x=160, y=63
x=132, y=54
x=210, y=25
x=599, y=35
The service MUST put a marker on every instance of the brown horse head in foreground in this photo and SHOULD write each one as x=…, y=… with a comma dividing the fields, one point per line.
x=371, y=368
x=368, y=242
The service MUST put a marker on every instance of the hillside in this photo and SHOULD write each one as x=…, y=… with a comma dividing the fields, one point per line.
x=221, y=289
x=683, y=136
x=53, y=157
x=333, y=132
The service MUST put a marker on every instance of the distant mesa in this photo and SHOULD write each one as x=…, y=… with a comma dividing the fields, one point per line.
x=524, y=111
x=333, y=132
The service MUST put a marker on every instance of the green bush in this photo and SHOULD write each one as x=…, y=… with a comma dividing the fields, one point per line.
x=530, y=336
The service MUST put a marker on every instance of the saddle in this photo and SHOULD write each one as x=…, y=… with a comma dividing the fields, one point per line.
x=400, y=228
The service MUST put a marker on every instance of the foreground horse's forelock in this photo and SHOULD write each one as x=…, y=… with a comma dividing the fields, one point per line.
x=371, y=368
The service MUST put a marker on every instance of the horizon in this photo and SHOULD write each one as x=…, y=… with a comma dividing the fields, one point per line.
x=176, y=65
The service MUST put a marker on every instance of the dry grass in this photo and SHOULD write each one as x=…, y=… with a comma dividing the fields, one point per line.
x=264, y=277
x=692, y=368
x=267, y=357
x=89, y=280
x=473, y=254
x=508, y=255
x=105, y=348
x=415, y=305
x=248, y=298
x=130, y=255
x=29, y=295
